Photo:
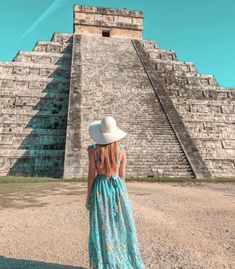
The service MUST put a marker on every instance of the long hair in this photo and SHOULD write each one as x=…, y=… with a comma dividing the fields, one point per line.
x=109, y=156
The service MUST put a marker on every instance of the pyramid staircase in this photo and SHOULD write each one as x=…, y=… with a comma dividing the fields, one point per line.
x=79, y=78
x=114, y=82
x=34, y=92
x=206, y=108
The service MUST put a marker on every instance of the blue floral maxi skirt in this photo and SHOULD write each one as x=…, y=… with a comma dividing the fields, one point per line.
x=113, y=242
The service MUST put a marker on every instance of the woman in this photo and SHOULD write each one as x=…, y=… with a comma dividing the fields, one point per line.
x=113, y=242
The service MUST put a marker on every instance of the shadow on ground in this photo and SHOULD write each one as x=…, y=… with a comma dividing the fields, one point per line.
x=23, y=195
x=12, y=263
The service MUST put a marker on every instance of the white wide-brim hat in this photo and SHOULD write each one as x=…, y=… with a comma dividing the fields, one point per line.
x=105, y=131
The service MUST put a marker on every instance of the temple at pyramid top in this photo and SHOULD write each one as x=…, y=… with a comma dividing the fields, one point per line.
x=108, y=22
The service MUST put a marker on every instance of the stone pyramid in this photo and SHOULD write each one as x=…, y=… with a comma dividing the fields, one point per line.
x=179, y=123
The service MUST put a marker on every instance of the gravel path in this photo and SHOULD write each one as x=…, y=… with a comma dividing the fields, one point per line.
x=179, y=225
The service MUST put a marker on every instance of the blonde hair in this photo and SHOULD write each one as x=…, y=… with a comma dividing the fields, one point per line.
x=109, y=156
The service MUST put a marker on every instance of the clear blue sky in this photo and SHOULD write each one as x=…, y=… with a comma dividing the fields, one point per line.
x=202, y=31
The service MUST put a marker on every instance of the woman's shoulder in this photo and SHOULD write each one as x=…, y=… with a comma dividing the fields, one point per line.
x=91, y=147
x=122, y=146
x=94, y=146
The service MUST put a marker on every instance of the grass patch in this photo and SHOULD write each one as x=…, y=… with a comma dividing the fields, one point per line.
x=21, y=192
x=18, y=179
x=184, y=180
x=27, y=193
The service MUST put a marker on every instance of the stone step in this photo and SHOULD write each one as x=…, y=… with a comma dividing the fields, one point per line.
x=34, y=83
x=52, y=122
x=171, y=158
x=25, y=162
x=55, y=88
x=195, y=92
x=178, y=163
x=13, y=129
x=189, y=78
x=158, y=173
x=36, y=122
x=196, y=88
x=156, y=162
x=30, y=153
x=149, y=131
x=185, y=94
x=190, y=92
x=159, y=136
x=62, y=38
x=155, y=165
x=155, y=52
x=54, y=47
x=150, y=44
x=207, y=117
x=161, y=149
x=135, y=133
x=174, y=67
x=206, y=102
x=35, y=109
x=23, y=104
x=164, y=141
x=33, y=139
x=159, y=54
x=61, y=90
x=25, y=145
x=44, y=58
x=136, y=129
x=33, y=69
x=28, y=93
x=43, y=114
x=205, y=79
x=153, y=153
x=179, y=69
x=161, y=120
x=155, y=133
x=150, y=126
x=34, y=173
x=154, y=144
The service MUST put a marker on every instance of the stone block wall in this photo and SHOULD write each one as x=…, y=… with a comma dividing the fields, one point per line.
x=34, y=91
x=207, y=109
x=119, y=23
x=50, y=96
x=113, y=82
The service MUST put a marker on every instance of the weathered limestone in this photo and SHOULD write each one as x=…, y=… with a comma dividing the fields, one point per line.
x=113, y=82
x=207, y=110
x=179, y=122
x=107, y=21
x=74, y=145
x=34, y=101
x=190, y=150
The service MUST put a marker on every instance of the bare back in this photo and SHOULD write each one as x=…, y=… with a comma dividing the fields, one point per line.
x=120, y=167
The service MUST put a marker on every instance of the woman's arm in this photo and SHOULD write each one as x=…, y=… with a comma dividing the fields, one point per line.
x=91, y=173
x=122, y=168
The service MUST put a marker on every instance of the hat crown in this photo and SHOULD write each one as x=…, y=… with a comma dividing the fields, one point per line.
x=108, y=125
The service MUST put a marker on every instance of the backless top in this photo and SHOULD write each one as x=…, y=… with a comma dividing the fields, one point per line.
x=97, y=159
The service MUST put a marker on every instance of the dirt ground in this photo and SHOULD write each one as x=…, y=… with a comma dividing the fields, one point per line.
x=179, y=225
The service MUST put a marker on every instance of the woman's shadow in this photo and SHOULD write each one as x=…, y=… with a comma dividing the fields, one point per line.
x=12, y=263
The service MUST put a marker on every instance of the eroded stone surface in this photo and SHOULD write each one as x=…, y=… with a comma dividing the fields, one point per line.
x=104, y=76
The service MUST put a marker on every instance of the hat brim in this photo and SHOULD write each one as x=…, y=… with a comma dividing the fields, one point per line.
x=104, y=138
